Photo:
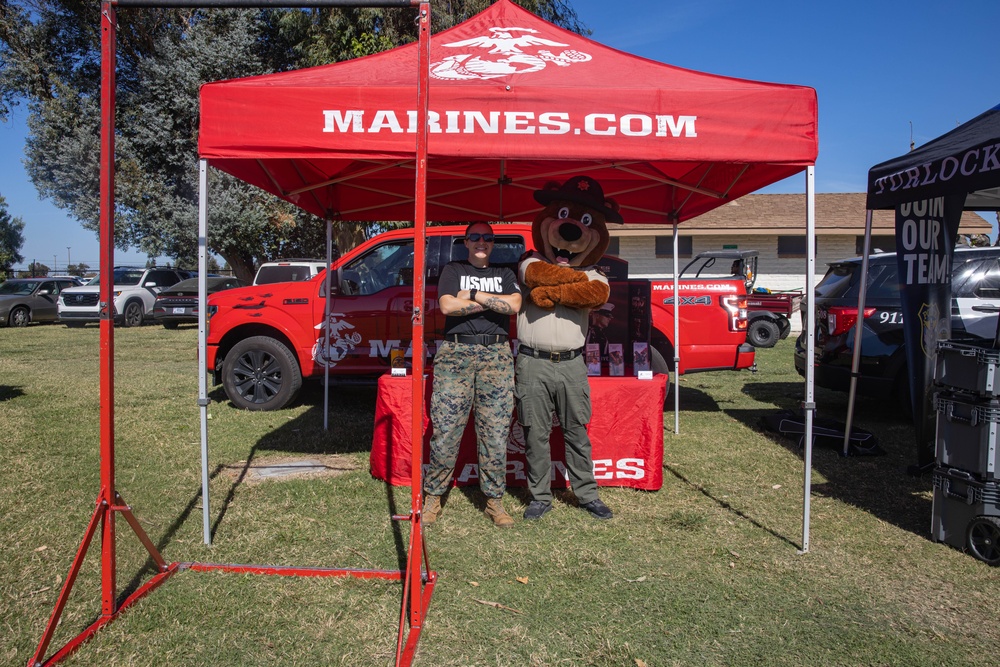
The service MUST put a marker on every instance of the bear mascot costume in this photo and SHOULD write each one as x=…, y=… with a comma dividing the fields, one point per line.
x=562, y=285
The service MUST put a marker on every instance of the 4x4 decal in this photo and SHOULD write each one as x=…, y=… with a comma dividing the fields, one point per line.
x=691, y=301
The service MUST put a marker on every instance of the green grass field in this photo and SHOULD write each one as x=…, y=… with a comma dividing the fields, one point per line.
x=703, y=572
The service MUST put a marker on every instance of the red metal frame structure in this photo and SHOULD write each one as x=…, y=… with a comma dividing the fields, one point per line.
x=418, y=583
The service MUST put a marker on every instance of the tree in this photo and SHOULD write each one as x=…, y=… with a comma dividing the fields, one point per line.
x=34, y=270
x=50, y=60
x=11, y=238
x=78, y=269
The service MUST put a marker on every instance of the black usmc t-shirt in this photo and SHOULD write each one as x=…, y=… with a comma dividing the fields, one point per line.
x=457, y=276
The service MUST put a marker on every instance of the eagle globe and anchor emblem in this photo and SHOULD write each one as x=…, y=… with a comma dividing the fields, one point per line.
x=506, y=55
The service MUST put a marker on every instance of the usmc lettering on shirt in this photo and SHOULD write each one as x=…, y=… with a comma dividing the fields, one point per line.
x=491, y=284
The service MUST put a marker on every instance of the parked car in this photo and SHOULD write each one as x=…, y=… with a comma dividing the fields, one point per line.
x=289, y=270
x=77, y=280
x=975, y=281
x=26, y=300
x=135, y=291
x=179, y=304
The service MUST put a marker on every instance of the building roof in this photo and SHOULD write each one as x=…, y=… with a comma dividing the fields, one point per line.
x=836, y=214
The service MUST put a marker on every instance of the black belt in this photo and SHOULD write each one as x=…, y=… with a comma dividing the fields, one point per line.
x=476, y=339
x=551, y=356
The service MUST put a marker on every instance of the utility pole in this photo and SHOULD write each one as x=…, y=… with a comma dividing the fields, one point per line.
x=55, y=262
x=68, y=260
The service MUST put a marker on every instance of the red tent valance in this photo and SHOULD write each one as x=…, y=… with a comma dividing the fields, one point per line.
x=515, y=102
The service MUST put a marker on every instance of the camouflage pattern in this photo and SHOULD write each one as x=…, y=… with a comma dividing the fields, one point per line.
x=478, y=378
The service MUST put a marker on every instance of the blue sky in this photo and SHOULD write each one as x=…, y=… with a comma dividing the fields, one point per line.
x=877, y=66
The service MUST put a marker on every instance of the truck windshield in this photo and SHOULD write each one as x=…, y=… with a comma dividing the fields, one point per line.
x=387, y=265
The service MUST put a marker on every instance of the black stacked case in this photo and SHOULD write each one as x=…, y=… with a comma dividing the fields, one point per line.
x=966, y=510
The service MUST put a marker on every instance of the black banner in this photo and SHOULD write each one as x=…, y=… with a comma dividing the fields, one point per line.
x=926, y=230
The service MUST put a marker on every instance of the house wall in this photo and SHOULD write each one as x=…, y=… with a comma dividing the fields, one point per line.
x=774, y=273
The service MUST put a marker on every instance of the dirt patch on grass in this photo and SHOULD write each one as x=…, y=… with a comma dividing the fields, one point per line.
x=280, y=468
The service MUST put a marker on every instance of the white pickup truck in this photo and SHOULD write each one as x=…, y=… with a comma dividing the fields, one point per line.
x=135, y=293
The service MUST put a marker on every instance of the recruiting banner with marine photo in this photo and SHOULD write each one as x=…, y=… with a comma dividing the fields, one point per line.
x=926, y=230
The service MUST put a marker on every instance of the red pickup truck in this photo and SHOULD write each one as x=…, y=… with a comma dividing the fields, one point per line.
x=768, y=312
x=263, y=340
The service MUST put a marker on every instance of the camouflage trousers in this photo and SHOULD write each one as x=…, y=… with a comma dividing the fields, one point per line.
x=478, y=378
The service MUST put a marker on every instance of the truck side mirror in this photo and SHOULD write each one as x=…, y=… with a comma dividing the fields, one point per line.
x=334, y=285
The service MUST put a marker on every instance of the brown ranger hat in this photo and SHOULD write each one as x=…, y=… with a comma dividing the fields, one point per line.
x=581, y=190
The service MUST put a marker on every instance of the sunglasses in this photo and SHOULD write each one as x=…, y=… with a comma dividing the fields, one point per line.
x=475, y=237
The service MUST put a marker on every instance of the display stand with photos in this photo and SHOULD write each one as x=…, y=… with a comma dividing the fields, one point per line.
x=619, y=331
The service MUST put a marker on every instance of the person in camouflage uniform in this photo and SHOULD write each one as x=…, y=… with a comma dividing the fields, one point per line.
x=473, y=369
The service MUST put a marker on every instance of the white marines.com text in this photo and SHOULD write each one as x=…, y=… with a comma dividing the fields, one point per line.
x=356, y=121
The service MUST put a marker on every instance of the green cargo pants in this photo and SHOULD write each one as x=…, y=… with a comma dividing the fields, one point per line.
x=541, y=388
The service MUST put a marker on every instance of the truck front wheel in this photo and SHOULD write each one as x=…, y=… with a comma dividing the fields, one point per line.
x=763, y=333
x=260, y=373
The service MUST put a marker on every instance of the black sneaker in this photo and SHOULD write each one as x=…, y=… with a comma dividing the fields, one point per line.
x=536, y=509
x=597, y=509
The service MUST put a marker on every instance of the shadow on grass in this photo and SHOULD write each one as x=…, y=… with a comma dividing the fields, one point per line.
x=351, y=427
x=8, y=393
x=149, y=567
x=351, y=423
x=729, y=507
x=781, y=394
x=692, y=399
x=879, y=485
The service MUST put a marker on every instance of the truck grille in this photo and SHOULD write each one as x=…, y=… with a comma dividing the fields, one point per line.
x=80, y=300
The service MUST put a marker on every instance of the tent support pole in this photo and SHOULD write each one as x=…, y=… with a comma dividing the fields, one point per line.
x=677, y=339
x=109, y=502
x=203, y=401
x=326, y=327
x=809, y=405
x=858, y=331
x=418, y=583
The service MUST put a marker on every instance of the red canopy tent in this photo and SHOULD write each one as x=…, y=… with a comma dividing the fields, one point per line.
x=514, y=102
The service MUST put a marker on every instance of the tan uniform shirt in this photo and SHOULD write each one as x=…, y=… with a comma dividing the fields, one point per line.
x=556, y=330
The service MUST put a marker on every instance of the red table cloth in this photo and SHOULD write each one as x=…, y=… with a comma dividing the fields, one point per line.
x=626, y=431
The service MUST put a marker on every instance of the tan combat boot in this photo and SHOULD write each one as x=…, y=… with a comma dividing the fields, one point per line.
x=432, y=509
x=496, y=512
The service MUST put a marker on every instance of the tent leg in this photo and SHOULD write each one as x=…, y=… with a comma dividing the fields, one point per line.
x=203, y=402
x=858, y=332
x=417, y=591
x=677, y=338
x=103, y=516
x=326, y=329
x=809, y=404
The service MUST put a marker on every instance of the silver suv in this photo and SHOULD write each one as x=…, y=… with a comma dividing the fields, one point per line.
x=135, y=293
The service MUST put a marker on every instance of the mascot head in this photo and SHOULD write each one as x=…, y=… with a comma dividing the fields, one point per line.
x=572, y=230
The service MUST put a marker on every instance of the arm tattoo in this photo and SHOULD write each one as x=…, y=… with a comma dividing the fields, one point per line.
x=470, y=309
x=499, y=306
